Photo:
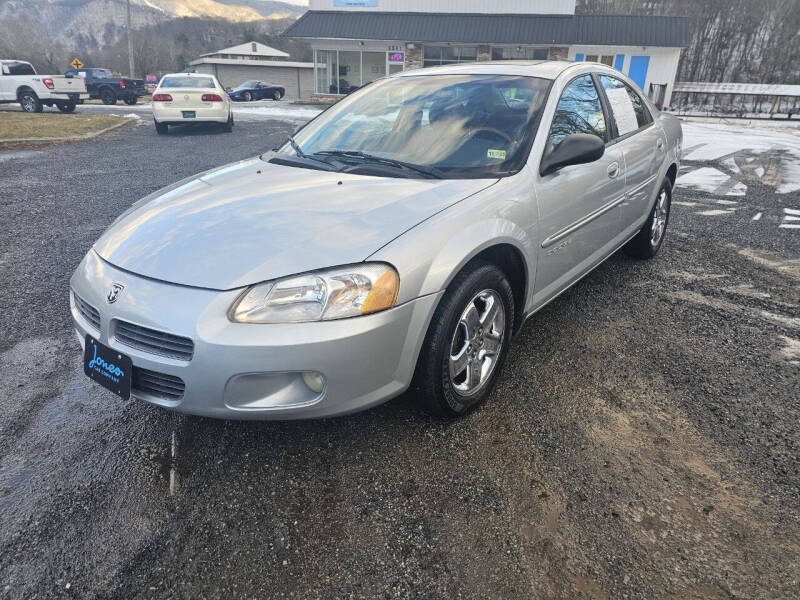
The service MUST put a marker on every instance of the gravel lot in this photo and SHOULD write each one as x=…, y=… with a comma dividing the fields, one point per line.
x=643, y=442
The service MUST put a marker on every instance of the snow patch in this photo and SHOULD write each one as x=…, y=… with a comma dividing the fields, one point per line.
x=709, y=179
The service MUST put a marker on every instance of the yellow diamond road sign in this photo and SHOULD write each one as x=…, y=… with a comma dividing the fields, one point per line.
x=76, y=63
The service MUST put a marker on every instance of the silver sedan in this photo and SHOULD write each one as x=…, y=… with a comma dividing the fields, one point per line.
x=399, y=239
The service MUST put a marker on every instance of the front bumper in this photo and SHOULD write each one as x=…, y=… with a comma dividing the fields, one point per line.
x=210, y=112
x=248, y=371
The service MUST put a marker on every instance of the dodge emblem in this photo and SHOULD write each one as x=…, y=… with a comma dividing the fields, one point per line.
x=114, y=292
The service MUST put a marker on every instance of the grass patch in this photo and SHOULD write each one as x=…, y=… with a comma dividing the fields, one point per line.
x=15, y=125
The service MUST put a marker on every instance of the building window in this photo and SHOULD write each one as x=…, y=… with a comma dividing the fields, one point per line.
x=344, y=71
x=606, y=59
x=433, y=56
x=519, y=53
x=253, y=46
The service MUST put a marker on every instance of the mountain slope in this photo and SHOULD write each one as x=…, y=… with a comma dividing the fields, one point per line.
x=86, y=24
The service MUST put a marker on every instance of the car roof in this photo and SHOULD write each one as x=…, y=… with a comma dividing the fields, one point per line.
x=544, y=69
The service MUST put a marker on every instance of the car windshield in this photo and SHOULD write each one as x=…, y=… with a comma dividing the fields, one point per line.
x=187, y=82
x=463, y=126
x=102, y=73
x=248, y=85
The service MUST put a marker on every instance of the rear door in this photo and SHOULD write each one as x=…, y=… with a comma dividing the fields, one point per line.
x=578, y=205
x=636, y=135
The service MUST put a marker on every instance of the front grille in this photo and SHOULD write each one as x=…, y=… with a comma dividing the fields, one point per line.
x=88, y=312
x=154, y=342
x=160, y=385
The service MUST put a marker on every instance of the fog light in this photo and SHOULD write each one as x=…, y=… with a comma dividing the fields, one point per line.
x=315, y=381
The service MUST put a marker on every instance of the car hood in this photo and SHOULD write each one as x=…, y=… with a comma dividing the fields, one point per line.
x=253, y=221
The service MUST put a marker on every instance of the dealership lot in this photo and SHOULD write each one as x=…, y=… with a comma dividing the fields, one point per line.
x=642, y=441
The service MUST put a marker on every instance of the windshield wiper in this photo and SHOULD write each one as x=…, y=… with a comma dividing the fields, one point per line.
x=429, y=171
x=296, y=147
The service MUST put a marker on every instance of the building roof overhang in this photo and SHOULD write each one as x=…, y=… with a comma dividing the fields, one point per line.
x=472, y=28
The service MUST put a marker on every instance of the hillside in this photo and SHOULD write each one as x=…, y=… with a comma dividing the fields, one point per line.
x=88, y=24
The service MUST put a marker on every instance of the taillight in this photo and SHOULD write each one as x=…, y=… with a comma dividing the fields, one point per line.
x=122, y=84
x=48, y=83
x=162, y=98
x=211, y=98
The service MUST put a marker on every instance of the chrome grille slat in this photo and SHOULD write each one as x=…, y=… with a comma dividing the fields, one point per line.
x=154, y=341
x=88, y=312
x=158, y=384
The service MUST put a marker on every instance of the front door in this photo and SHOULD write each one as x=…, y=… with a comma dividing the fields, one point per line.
x=578, y=205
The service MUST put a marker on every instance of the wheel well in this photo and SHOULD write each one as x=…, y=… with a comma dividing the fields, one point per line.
x=672, y=174
x=25, y=88
x=511, y=261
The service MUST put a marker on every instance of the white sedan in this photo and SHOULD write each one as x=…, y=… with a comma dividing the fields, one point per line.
x=186, y=98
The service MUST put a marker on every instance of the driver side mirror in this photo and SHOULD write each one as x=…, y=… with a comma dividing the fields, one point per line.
x=575, y=149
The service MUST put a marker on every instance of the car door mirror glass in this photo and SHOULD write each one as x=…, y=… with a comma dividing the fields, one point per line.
x=575, y=149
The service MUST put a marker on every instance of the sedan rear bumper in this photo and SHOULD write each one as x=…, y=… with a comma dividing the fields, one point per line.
x=247, y=371
x=212, y=112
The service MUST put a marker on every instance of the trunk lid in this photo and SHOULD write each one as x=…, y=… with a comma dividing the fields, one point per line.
x=187, y=96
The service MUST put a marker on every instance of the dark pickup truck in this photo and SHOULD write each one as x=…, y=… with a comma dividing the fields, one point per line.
x=103, y=84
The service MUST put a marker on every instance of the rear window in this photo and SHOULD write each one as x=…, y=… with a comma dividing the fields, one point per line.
x=18, y=68
x=187, y=82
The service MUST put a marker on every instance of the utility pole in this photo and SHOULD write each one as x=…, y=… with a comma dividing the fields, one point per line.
x=130, y=41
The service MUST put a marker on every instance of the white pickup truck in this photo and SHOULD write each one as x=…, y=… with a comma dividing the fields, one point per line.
x=19, y=83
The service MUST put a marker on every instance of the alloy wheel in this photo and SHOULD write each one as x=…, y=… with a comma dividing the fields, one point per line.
x=477, y=342
x=660, y=214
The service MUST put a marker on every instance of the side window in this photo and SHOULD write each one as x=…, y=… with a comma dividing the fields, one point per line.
x=578, y=111
x=627, y=106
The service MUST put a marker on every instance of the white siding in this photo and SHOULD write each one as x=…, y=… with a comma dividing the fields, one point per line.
x=663, y=67
x=559, y=7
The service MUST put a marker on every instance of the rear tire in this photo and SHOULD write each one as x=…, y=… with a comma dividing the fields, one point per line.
x=467, y=341
x=162, y=128
x=66, y=107
x=227, y=127
x=131, y=100
x=276, y=95
x=30, y=102
x=648, y=241
x=108, y=96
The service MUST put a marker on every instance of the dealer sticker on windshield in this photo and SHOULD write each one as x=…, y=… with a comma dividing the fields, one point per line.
x=499, y=154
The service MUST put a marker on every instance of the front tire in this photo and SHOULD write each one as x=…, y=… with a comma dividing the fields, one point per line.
x=648, y=241
x=108, y=96
x=247, y=96
x=66, y=107
x=30, y=102
x=162, y=128
x=467, y=341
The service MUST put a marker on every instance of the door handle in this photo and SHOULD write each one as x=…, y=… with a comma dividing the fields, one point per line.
x=613, y=170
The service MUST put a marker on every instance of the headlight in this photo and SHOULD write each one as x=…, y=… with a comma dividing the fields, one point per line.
x=319, y=296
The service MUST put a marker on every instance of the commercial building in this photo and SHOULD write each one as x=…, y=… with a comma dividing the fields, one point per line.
x=255, y=61
x=358, y=41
